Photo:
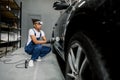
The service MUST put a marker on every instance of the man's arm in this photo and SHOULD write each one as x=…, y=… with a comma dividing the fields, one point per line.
x=43, y=41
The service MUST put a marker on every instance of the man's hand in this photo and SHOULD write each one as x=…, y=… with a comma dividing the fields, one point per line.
x=52, y=40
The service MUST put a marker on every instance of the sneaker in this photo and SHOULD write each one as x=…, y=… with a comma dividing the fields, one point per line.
x=39, y=59
x=31, y=64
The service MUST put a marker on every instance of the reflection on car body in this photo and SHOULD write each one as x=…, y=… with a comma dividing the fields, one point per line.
x=88, y=32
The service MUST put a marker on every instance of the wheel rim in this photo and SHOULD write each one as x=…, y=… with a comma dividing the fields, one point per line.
x=71, y=1
x=68, y=2
x=77, y=62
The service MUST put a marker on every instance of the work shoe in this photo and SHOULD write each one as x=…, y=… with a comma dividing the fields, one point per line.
x=31, y=64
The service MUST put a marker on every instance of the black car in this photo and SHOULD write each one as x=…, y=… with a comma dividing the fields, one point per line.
x=87, y=34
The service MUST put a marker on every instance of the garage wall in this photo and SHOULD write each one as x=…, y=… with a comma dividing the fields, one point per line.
x=39, y=9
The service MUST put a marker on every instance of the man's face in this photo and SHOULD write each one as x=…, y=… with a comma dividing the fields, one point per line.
x=37, y=26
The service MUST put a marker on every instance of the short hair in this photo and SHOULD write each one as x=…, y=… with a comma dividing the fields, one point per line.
x=37, y=20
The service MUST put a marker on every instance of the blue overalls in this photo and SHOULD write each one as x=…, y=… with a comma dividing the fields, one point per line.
x=36, y=50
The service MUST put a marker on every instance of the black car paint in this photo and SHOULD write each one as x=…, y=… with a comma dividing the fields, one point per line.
x=97, y=19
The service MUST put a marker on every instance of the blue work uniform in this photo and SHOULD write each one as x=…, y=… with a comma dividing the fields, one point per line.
x=36, y=50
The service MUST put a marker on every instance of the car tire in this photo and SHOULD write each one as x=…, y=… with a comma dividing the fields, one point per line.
x=83, y=60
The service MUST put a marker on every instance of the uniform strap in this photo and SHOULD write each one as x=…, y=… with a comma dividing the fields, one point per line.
x=35, y=32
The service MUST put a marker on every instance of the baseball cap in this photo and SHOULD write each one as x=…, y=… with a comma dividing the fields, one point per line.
x=37, y=21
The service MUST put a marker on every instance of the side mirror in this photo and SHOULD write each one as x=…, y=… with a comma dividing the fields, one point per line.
x=60, y=5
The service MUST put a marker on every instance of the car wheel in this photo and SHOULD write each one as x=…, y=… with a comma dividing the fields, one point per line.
x=83, y=60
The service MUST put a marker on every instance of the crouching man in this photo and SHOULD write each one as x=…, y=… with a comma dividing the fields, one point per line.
x=34, y=47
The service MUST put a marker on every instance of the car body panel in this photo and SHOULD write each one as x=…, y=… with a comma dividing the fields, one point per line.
x=96, y=9
x=99, y=20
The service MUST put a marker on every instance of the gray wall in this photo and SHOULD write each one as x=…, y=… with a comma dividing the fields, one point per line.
x=40, y=9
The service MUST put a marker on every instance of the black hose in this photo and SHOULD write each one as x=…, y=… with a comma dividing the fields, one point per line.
x=23, y=63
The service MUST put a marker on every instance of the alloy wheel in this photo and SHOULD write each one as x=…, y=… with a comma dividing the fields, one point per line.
x=77, y=62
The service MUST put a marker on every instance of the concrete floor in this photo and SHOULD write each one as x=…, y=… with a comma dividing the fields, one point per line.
x=12, y=67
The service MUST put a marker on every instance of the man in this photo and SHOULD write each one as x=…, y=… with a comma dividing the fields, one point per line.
x=36, y=37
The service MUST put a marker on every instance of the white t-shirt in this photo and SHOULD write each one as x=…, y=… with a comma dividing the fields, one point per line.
x=33, y=32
